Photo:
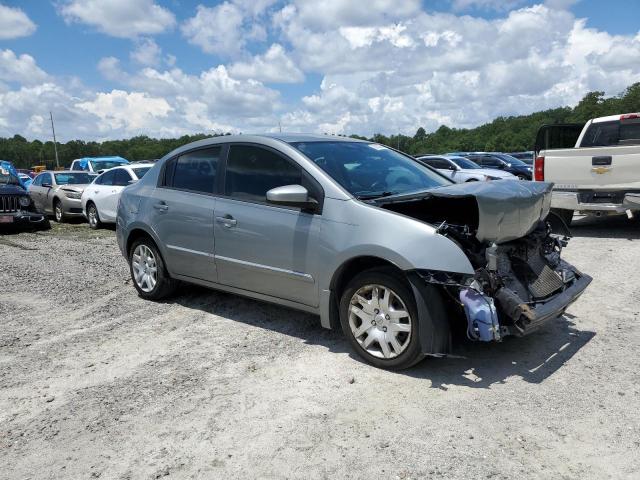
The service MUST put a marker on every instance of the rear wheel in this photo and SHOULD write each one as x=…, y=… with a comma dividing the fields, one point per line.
x=379, y=316
x=58, y=212
x=148, y=272
x=93, y=217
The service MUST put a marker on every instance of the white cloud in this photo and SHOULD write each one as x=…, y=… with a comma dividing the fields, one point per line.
x=134, y=112
x=14, y=23
x=500, y=5
x=119, y=18
x=273, y=66
x=147, y=52
x=21, y=69
x=327, y=14
x=217, y=29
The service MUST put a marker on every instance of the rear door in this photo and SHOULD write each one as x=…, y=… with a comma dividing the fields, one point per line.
x=608, y=158
x=35, y=190
x=100, y=190
x=183, y=209
x=111, y=194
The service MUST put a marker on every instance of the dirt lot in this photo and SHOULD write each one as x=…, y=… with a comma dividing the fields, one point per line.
x=95, y=382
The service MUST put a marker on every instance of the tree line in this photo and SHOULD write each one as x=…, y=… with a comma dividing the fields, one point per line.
x=505, y=134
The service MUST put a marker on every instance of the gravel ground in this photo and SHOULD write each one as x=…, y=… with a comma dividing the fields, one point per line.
x=95, y=382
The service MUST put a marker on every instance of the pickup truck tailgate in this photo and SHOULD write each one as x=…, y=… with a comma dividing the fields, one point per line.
x=609, y=168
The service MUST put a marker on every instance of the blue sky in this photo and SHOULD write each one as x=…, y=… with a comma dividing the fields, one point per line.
x=169, y=67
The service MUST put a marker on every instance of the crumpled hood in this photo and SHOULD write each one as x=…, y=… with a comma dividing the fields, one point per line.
x=74, y=188
x=504, y=210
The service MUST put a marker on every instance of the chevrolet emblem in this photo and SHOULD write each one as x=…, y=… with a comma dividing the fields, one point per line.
x=600, y=170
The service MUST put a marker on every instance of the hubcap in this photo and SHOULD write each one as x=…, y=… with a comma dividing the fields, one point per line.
x=58, y=212
x=145, y=268
x=380, y=321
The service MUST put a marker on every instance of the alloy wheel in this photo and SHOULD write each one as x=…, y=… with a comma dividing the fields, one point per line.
x=58, y=212
x=145, y=268
x=380, y=321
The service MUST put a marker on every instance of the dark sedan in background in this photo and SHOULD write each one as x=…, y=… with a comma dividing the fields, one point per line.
x=500, y=161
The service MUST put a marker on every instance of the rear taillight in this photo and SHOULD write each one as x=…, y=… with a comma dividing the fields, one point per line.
x=538, y=169
x=629, y=116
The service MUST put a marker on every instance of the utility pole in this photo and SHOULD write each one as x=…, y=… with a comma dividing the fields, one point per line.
x=55, y=146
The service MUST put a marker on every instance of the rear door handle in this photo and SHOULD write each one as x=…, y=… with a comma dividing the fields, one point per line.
x=228, y=221
x=163, y=207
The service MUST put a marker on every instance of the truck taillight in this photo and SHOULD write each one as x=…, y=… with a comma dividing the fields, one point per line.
x=629, y=116
x=538, y=169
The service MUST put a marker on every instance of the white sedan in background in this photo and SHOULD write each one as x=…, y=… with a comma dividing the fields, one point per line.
x=461, y=169
x=100, y=198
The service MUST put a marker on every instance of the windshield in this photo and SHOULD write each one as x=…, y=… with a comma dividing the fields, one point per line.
x=464, y=163
x=511, y=160
x=141, y=171
x=369, y=170
x=76, y=178
x=106, y=164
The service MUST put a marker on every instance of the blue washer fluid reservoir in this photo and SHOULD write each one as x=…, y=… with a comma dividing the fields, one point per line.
x=482, y=316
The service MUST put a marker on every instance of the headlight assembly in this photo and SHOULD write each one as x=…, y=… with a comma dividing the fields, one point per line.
x=25, y=201
x=75, y=195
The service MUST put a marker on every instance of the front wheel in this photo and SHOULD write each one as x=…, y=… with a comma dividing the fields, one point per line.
x=58, y=212
x=379, y=316
x=147, y=269
x=93, y=217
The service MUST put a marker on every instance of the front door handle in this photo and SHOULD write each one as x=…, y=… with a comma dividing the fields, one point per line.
x=163, y=207
x=228, y=221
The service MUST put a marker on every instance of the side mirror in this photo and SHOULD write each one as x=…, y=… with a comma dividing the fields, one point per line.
x=453, y=168
x=46, y=185
x=292, y=196
x=131, y=182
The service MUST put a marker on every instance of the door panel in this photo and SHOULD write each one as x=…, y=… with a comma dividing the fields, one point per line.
x=109, y=201
x=184, y=223
x=267, y=249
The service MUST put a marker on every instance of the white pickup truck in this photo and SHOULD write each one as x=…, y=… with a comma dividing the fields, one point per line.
x=595, y=168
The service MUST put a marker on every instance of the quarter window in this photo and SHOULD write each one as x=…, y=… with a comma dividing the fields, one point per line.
x=193, y=171
x=253, y=171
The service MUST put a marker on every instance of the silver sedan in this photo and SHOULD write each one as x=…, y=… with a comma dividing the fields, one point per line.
x=58, y=193
x=372, y=241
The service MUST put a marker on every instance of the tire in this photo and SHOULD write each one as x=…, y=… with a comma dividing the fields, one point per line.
x=93, y=217
x=385, y=342
x=58, y=212
x=145, y=260
x=565, y=215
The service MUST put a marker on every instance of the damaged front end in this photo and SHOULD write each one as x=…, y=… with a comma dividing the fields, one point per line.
x=520, y=279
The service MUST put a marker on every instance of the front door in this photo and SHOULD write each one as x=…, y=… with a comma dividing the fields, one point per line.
x=182, y=213
x=264, y=248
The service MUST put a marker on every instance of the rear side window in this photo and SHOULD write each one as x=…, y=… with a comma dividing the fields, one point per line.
x=122, y=178
x=438, y=163
x=107, y=178
x=193, y=171
x=606, y=134
x=253, y=171
x=38, y=180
